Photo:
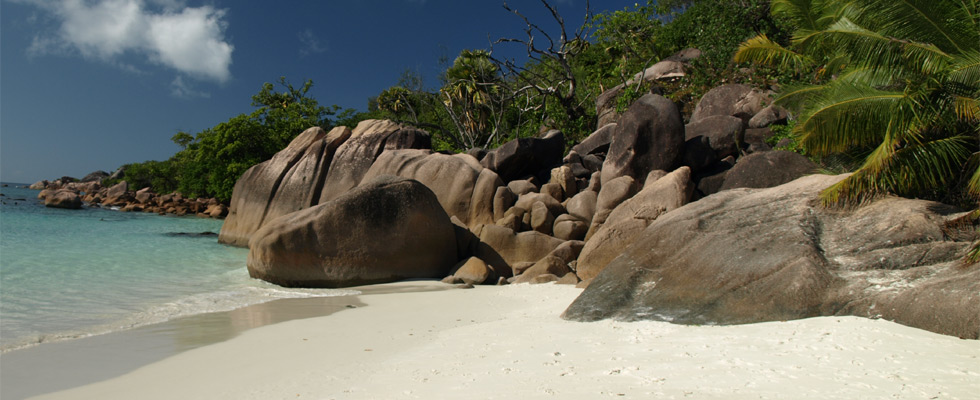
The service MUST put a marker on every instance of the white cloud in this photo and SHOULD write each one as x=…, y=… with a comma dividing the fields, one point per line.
x=188, y=39
x=192, y=42
x=179, y=88
x=310, y=44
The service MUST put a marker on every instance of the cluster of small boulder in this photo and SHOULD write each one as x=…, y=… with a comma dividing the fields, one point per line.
x=72, y=193
x=526, y=211
x=695, y=223
x=698, y=222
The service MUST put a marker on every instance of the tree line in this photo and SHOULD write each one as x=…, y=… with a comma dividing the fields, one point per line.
x=888, y=89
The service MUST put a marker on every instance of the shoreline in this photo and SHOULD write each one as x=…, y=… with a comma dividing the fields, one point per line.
x=509, y=342
x=66, y=364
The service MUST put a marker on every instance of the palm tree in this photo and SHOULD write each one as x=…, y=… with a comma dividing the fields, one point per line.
x=471, y=97
x=897, y=81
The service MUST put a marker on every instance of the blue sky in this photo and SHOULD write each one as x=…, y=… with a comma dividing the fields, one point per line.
x=90, y=85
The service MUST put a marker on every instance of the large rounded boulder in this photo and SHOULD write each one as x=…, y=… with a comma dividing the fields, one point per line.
x=385, y=230
x=464, y=188
x=631, y=217
x=649, y=136
x=63, y=198
x=522, y=157
x=754, y=255
x=768, y=169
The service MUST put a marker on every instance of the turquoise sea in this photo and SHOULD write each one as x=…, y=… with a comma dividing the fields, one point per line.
x=73, y=273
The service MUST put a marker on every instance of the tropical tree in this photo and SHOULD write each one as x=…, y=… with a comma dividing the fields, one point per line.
x=897, y=84
x=472, y=98
x=211, y=161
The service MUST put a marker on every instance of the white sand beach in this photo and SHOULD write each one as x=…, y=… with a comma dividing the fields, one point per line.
x=508, y=342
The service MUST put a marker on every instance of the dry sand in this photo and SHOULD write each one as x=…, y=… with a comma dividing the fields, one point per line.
x=509, y=343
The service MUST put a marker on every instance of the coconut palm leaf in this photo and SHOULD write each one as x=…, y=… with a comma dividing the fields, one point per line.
x=973, y=186
x=794, y=96
x=973, y=255
x=877, y=51
x=964, y=74
x=809, y=15
x=904, y=93
x=967, y=108
x=761, y=50
x=906, y=171
x=944, y=24
x=847, y=115
x=866, y=76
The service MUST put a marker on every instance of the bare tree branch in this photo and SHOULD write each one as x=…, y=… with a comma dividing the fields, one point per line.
x=548, y=70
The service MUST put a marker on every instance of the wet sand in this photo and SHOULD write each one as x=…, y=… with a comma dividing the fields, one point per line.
x=52, y=367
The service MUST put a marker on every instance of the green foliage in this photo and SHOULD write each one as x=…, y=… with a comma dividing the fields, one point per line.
x=628, y=40
x=717, y=28
x=409, y=102
x=629, y=94
x=159, y=175
x=896, y=82
x=212, y=160
x=780, y=132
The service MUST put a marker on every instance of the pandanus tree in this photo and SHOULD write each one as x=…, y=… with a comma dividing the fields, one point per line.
x=896, y=82
x=472, y=98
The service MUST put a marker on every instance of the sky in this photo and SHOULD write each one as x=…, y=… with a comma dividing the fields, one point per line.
x=90, y=85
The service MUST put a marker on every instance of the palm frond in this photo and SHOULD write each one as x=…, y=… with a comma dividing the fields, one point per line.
x=973, y=255
x=866, y=76
x=906, y=171
x=878, y=51
x=761, y=50
x=973, y=185
x=967, y=109
x=806, y=13
x=794, y=97
x=964, y=74
x=945, y=24
x=846, y=116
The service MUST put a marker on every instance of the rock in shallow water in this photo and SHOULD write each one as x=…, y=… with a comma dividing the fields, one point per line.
x=63, y=198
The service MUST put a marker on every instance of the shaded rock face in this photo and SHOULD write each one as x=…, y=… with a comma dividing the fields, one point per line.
x=736, y=100
x=649, y=136
x=753, y=255
x=464, y=189
x=711, y=139
x=630, y=217
x=597, y=142
x=767, y=169
x=502, y=247
x=386, y=230
x=521, y=157
x=96, y=176
x=316, y=167
x=290, y=181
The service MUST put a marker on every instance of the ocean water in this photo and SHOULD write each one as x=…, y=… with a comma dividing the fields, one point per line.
x=73, y=273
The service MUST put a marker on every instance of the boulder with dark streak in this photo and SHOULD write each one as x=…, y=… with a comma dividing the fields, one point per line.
x=385, y=230
x=754, y=255
x=316, y=167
